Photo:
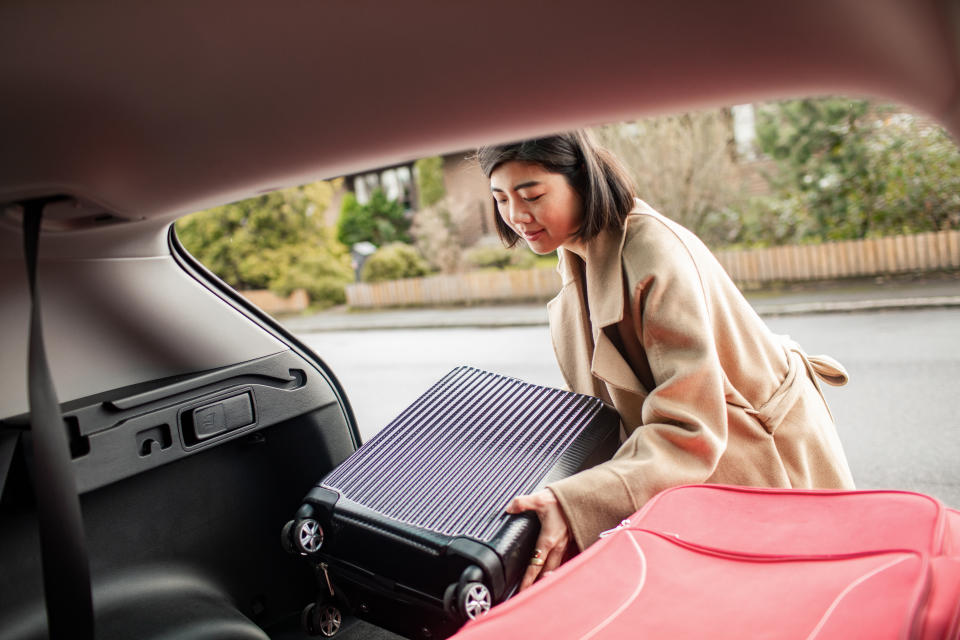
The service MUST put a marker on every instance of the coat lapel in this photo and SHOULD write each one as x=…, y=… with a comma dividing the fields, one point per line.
x=579, y=339
x=570, y=329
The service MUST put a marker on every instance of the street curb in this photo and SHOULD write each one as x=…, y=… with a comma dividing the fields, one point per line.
x=427, y=325
x=492, y=323
x=853, y=306
x=377, y=321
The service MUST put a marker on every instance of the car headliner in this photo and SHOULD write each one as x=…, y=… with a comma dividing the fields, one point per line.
x=162, y=108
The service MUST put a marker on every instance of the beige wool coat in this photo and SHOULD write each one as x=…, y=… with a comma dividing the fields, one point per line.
x=652, y=324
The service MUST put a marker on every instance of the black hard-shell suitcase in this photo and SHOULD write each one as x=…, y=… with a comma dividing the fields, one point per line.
x=410, y=531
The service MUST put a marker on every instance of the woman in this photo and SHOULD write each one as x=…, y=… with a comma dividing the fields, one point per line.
x=648, y=321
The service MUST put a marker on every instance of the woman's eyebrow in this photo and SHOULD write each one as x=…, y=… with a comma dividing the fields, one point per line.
x=517, y=187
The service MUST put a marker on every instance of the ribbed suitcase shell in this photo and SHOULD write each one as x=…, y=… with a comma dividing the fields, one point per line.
x=424, y=500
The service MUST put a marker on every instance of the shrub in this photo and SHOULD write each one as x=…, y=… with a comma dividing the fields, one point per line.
x=355, y=223
x=324, y=292
x=380, y=221
x=437, y=238
x=490, y=255
x=393, y=262
x=274, y=241
x=323, y=274
x=857, y=169
x=767, y=221
x=430, y=185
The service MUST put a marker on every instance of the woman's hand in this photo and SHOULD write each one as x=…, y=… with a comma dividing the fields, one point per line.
x=554, y=533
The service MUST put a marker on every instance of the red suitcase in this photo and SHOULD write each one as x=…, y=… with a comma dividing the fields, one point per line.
x=734, y=562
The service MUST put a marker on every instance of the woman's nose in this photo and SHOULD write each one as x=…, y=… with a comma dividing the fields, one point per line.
x=519, y=214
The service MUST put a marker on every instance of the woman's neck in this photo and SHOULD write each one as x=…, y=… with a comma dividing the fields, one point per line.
x=577, y=247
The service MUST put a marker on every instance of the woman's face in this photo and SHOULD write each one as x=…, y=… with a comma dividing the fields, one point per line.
x=539, y=205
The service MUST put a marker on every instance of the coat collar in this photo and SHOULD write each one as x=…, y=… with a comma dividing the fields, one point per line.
x=603, y=272
x=578, y=339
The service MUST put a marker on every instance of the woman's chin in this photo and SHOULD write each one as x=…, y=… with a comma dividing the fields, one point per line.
x=540, y=246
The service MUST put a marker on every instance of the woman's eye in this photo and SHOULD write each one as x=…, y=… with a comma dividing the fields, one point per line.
x=534, y=198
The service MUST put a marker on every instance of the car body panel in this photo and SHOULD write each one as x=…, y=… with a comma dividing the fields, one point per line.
x=163, y=109
x=114, y=322
x=140, y=113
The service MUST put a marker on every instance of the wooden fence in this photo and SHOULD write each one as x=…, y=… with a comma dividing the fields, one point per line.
x=272, y=303
x=464, y=288
x=938, y=251
x=871, y=257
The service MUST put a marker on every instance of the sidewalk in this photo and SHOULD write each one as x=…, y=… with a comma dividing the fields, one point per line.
x=824, y=297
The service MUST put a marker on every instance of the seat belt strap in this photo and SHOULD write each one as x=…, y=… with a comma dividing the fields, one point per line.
x=8, y=444
x=66, y=571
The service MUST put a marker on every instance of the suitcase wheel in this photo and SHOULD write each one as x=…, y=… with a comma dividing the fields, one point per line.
x=321, y=619
x=286, y=538
x=303, y=537
x=474, y=600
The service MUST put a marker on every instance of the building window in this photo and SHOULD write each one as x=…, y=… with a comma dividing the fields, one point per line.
x=744, y=131
x=395, y=182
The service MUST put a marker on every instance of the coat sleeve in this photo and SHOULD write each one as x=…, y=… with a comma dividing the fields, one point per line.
x=684, y=418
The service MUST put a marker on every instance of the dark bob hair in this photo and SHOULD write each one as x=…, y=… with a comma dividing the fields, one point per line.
x=594, y=173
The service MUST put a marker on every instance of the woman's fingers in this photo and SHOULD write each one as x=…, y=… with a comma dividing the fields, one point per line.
x=530, y=576
x=555, y=558
x=541, y=502
x=554, y=533
x=546, y=557
x=521, y=504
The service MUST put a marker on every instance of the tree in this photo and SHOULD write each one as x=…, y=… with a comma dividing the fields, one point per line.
x=685, y=166
x=437, y=238
x=430, y=185
x=920, y=165
x=821, y=147
x=276, y=241
x=380, y=221
x=853, y=168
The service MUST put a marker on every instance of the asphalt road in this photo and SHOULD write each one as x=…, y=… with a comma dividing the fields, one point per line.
x=899, y=418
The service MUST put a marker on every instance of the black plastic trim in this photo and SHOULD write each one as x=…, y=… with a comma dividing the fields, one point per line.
x=102, y=436
x=294, y=380
x=229, y=295
x=189, y=437
x=402, y=593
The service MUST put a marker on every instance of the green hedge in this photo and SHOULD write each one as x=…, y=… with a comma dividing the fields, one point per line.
x=394, y=262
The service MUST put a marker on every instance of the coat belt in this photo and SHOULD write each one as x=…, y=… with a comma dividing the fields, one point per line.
x=772, y=412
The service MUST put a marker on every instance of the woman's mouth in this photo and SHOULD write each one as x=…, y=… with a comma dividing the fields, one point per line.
x=530, y=236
